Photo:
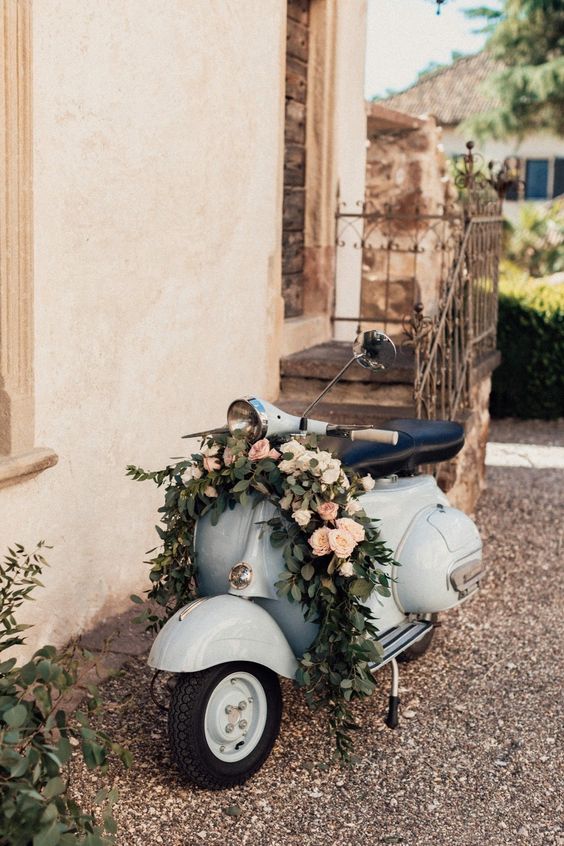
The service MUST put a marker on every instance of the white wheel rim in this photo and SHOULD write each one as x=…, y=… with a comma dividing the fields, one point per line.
x=235, y=716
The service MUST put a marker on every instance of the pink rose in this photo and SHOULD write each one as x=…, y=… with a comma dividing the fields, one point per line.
x=341, y=542
x=210, y=492
x=211, y=462
x=259, y=450
x=228, y=457
x=319, y=541
x=274, y=454
x=351, y=526
x=328, y=511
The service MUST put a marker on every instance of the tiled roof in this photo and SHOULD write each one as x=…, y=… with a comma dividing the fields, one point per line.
x=451, y=94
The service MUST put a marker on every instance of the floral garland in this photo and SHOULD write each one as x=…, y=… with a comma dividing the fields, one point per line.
x=333, y=555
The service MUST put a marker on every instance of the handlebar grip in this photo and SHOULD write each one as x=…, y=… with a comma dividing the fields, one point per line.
x=379, y=436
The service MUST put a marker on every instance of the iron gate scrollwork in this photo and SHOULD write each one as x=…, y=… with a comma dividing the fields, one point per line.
x=449, y=260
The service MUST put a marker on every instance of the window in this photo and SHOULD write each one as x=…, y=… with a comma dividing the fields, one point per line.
x=558, y=189
x=536, y=179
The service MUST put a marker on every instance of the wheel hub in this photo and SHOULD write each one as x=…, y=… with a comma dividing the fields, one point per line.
x=235, y=716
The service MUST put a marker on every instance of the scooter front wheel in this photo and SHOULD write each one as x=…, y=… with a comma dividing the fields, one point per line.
x=223, y=722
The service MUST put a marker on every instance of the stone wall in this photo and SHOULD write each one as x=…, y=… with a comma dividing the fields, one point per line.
x=407, y=253
x=463, y=478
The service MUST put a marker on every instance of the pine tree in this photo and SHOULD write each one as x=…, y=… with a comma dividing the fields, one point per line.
x=527, y=36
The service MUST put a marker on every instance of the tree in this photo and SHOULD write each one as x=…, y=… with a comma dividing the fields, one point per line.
x=527, y=36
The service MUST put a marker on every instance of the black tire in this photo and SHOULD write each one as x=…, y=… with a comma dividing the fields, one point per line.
x=191, y=751
x=417, y=649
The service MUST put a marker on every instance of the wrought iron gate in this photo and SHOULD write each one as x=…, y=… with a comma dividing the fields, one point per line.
x=434, y=279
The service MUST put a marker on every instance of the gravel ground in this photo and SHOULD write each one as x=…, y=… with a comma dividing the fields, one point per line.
x=476, y=759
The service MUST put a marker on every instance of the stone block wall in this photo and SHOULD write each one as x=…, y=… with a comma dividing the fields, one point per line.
x=410, y=248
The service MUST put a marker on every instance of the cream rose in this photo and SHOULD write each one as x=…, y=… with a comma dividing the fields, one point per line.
x=346, y=569
x=344, y=481
x=353, y=507
x=259, y=450
x=319, y=541
x=341, y=542
x=367, y=482
x=286, y=501
x=331, y=472
x=302, y=516
x=351, y=526
x=288, y=465
x=328, y=511
x=192, y=472
x=228, y=456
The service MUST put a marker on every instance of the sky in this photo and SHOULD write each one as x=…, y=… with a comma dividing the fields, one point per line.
x=405, y=35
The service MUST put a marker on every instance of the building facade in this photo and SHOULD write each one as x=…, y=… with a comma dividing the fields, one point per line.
x=167, y=234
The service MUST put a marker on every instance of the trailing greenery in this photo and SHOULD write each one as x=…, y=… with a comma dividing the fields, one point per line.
x=333, y=556
x=530, y=379
x=527, y=36
x=535, y=242
x=39, y=739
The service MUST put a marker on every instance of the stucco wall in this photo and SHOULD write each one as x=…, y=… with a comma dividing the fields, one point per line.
x=536, y=145
x=157, y=205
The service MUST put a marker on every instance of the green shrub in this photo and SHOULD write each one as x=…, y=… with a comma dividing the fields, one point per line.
x=530, y=379
x=535, y=242
x=39, y=739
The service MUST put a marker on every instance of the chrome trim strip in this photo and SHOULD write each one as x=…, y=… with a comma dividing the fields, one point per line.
x=185, y=611
x=399, y=638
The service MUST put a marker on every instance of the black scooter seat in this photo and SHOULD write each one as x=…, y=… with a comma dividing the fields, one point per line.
x=420, y=442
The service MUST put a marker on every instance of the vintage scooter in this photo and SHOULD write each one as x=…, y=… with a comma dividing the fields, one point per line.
x=228, y=647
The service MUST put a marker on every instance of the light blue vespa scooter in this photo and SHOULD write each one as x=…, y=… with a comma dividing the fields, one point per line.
x=228, y=647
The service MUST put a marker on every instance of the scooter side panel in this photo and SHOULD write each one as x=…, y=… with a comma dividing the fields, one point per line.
x=393, y=504
x=219, y=629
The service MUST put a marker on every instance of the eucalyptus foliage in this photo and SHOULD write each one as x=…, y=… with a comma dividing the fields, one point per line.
x=39, y=739
x=332, y=590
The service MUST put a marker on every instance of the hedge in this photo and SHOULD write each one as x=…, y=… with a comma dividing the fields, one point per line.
x=530, y=380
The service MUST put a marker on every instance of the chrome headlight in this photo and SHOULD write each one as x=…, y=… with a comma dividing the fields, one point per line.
x=248, y=417
x=241, y=575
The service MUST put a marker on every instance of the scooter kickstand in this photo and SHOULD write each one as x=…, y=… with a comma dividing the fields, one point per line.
x=392, y=717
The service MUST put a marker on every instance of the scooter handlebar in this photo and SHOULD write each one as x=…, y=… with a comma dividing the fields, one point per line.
x=379, y=436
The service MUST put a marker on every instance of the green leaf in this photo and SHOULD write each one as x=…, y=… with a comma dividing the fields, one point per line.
x=307, y=571
x=296, y=592
x=49, y=836
x=16, y=716
x=136, y=599
x=54, y=787
x=241, y=486
x=361, y=588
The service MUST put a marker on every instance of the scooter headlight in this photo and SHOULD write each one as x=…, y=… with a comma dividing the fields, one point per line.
x=241, y=575
x=248, y=417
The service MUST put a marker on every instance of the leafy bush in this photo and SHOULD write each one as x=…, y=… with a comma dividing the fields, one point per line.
x=536, y=242
x=38, y=738
x=530, y=380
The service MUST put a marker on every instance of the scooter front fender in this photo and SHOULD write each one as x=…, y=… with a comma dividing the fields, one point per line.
x=217, y=629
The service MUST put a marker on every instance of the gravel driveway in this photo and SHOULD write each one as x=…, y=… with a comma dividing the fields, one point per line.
x=476, y=759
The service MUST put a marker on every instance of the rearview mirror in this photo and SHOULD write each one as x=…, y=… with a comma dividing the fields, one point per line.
x=374, y=350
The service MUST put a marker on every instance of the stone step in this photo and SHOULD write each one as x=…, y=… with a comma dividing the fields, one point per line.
x=324, y=361
x=353, y=414
x=368, y=393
